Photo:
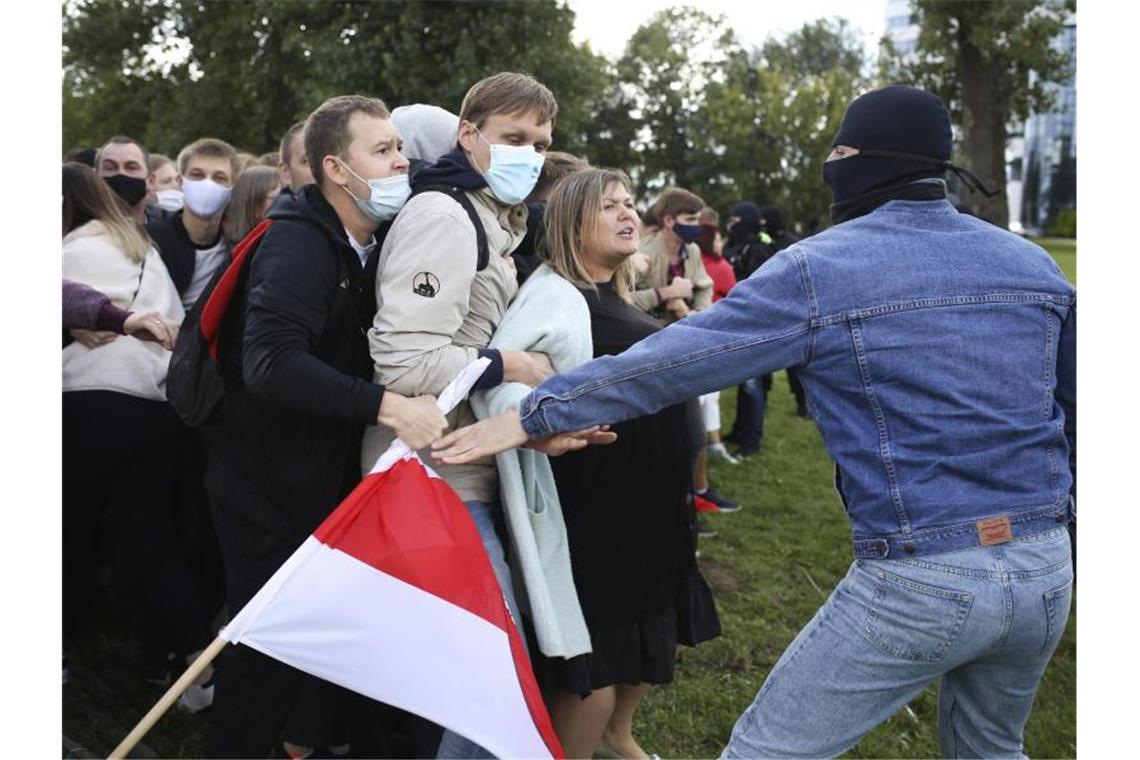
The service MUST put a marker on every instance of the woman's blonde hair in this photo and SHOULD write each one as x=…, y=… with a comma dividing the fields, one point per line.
x=87, y=197
x=571, y=214
x=250, y=192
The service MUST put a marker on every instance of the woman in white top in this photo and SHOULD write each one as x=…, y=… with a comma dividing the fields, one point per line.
x=119, y=432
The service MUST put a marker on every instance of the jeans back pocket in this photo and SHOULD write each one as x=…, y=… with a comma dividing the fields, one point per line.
x=1057, y=604
x=915, y=621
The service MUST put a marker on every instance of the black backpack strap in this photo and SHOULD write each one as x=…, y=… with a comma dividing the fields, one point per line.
x=460, y=196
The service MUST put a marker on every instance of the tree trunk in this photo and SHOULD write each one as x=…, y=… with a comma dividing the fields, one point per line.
x=985, y=91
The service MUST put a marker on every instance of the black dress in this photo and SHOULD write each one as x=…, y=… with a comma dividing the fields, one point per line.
x=630, y=534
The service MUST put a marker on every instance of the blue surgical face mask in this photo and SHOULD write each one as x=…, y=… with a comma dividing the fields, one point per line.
x=687, y=232
x=386, y=196
x=513, y=172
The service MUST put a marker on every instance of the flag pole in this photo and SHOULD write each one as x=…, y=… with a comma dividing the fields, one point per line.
x=172, y=694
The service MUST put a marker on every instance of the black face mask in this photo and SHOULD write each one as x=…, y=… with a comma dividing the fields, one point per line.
x=863, y=182
x=130, y=189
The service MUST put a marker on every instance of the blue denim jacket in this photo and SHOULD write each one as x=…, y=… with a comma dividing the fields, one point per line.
x=938, y=352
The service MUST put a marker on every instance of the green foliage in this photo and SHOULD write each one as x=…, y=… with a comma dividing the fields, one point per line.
x=778, y=111
x=1064, y=224
x=255, y=67
x=662, y=75
x=732, y=124
x=991, y=62
x=686, y=104
x=1014, y=36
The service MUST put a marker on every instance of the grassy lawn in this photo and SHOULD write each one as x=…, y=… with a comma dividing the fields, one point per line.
x=771, y=567
x=1064, y=251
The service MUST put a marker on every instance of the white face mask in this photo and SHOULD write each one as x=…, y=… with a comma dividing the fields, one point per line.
x=170, y=199
x=386, y=196
x=204, y=197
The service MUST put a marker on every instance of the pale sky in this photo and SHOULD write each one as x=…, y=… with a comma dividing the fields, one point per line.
x=608, y=24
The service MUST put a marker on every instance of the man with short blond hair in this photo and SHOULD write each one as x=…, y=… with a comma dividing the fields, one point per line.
x=190, y=241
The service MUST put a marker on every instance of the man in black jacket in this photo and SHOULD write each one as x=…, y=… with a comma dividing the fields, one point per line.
x=288, y=449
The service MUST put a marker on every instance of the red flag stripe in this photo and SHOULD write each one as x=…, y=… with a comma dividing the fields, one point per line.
x=426, y=557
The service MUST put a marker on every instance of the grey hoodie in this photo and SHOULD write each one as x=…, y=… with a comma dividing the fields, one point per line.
x=428, y=131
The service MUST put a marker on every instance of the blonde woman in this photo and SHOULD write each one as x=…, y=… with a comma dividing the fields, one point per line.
x=119, y=434
x=630, y=544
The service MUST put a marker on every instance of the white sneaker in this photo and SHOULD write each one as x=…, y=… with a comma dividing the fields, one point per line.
x=718, y=450
x=196, y=698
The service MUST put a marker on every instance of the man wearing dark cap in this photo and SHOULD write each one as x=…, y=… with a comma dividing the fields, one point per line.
x=939, y=354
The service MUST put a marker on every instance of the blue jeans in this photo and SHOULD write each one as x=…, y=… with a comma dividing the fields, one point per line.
x=985, y=620
x=452, y=745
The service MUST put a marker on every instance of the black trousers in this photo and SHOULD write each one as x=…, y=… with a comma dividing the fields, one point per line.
x=119, y=459
x=258, y=701
x=797, y=389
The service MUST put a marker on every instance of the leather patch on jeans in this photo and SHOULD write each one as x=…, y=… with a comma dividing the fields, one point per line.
x=994, y=530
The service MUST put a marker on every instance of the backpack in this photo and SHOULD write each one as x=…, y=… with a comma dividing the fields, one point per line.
x=460, y=196
x=215, y=326
x=194, y=382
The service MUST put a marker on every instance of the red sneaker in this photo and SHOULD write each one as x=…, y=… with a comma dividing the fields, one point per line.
x=701, y=504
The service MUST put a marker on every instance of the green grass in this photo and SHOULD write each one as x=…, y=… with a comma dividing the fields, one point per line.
x=1064, y=251
x=771, y=567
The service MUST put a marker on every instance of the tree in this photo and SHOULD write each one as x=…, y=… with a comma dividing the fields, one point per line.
x=168, y=72
x=661, y=80
x=990, y=62
x=777, y=110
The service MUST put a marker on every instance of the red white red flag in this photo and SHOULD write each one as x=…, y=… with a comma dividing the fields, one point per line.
x=393, y=597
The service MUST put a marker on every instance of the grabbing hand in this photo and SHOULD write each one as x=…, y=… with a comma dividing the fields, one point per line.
x=152, y=326
x=497, y=434
x=92, y=338
x=681, y=287
x=527, y=367
x=556, y=445
x=417, y=421
x=677, y=308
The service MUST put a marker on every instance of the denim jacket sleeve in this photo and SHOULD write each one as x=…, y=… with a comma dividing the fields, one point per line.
x=1066, y=393
x=764, y=324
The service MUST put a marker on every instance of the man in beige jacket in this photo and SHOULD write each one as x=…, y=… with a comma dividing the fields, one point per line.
x=674, y=281
x=439, y=301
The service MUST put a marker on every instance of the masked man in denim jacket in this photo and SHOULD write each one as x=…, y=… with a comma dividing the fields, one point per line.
x=939, y=353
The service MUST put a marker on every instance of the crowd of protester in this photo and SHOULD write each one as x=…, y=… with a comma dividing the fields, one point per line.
x=403, y=246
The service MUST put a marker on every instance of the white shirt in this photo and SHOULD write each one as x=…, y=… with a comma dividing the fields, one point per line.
x=363, y=251
x=206, y=262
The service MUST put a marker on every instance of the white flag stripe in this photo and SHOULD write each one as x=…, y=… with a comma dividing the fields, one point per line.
x=347, y=622
x=447, y=400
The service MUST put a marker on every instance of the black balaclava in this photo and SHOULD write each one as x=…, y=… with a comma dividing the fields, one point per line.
x=903, y=135
x=773, y=220
x=748, y=226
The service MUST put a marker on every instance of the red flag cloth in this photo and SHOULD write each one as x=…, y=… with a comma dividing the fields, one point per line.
x=393, y=597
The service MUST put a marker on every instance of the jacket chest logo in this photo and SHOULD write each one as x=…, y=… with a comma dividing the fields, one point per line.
x=425, y=284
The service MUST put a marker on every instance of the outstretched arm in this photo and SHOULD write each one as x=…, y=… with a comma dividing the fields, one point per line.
x=765, y=324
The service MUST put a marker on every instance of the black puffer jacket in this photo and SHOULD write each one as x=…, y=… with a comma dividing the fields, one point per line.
x=288, y=447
